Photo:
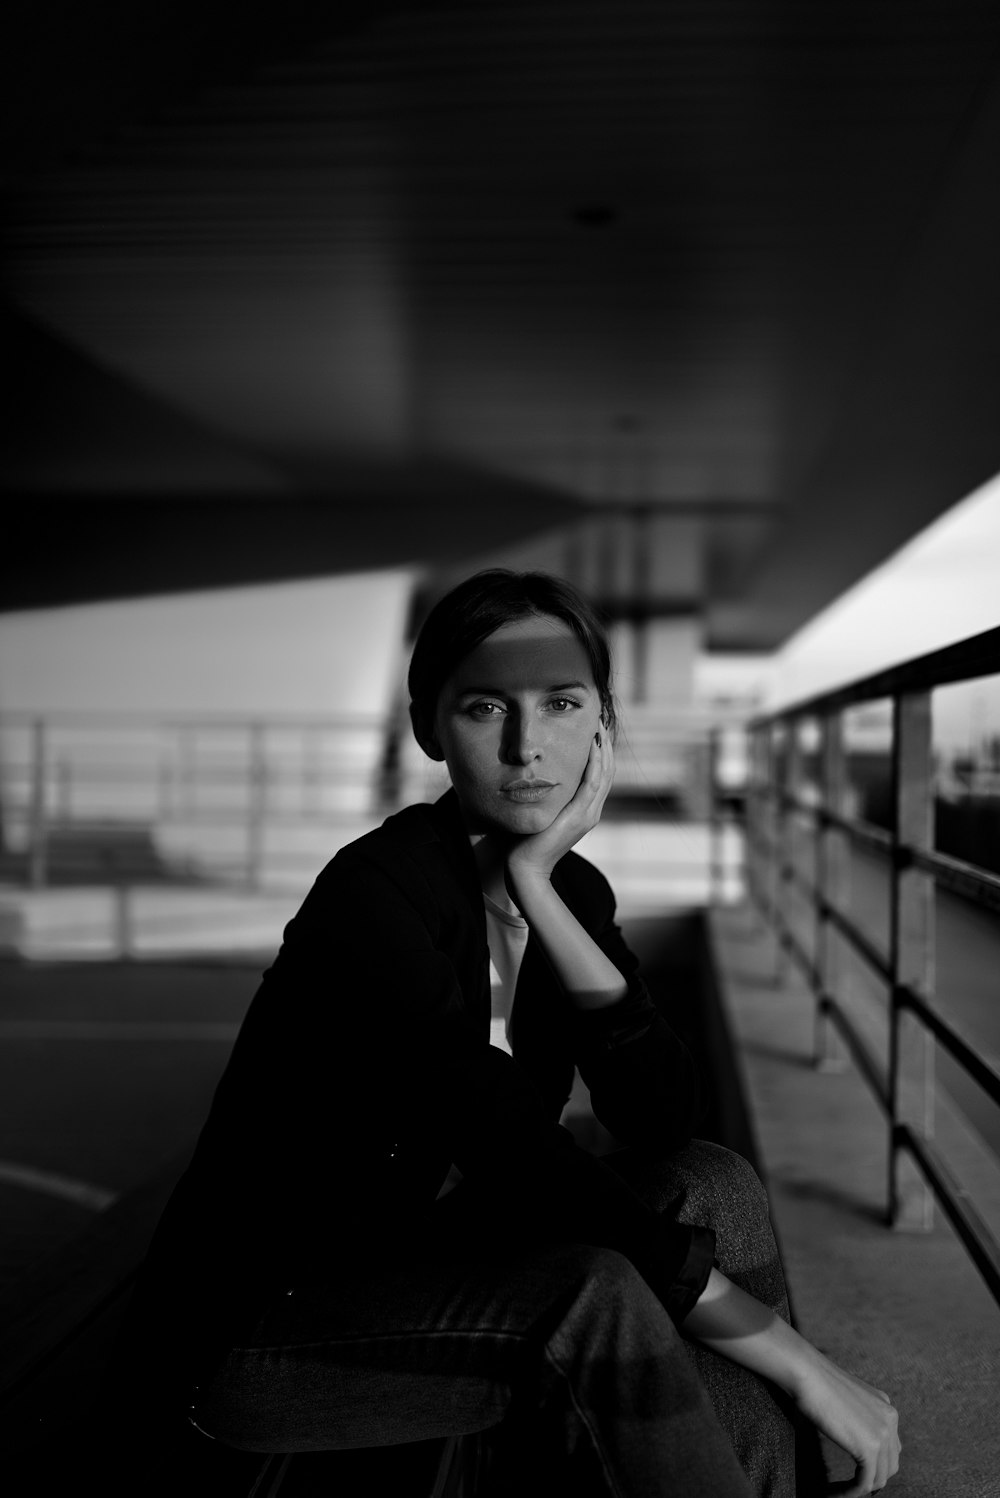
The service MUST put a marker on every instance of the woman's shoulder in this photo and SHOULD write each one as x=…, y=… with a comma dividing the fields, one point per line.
x=412, y=827
x=421, y=844
x=397, y=872
x=389, y=848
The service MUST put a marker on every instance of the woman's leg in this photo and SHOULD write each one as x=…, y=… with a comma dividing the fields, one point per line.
x=565, y=1342
x=704, y=1183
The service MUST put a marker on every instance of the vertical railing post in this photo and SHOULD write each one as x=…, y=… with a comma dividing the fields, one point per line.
x=777, y=834
x=789, y=790
x=256, y=804
x=187, y=769
x=124, y=936
x=38, y=816
x=833, y=872
x=311, y=762
x=750, y=814
x=761, y=820
x=716, y=852
x=64, y=790
x=911, y=950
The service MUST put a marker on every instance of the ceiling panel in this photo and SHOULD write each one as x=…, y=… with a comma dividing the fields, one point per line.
x=649, y=254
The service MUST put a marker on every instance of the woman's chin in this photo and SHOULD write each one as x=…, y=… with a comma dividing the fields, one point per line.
x=524, y=821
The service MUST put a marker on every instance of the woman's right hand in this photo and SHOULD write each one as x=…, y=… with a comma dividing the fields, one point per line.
x=855, y=1416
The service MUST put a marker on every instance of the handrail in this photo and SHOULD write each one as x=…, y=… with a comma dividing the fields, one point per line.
x=794, y=820
x=966, y=659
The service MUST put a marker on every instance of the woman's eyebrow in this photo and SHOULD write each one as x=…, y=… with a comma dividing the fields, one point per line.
x=560, y=686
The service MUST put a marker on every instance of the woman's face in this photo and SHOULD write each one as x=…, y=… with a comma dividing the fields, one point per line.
x=515, y=722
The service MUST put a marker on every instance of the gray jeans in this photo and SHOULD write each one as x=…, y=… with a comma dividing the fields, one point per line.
x=561, y=1351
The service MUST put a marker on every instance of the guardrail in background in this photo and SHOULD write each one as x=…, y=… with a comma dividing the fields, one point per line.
x=132, y=797
x=118, y=798
x=799, y=833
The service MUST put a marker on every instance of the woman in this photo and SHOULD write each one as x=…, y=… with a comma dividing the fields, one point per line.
x=385, y=1235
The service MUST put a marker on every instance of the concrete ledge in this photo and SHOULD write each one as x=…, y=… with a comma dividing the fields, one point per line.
x=906, y=1311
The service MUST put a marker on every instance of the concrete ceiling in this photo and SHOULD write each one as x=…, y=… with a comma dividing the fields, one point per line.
x=383, y=283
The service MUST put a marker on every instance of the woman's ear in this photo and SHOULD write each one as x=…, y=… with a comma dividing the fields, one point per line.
x=423, y=732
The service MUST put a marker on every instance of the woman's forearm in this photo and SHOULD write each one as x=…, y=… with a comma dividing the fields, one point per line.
x=852, y=1413
x=739, y=1327
x=589, y=977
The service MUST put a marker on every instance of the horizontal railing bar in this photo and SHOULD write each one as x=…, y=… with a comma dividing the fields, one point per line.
x=963, y=661
x=975, y=1066
x=793, y=946
x=951, y=873
x=793, y=875
x=961, y=877
x=980, y=1243
x=863, y=1058
x=862, y=944
x=859, y=830
x=790, y=801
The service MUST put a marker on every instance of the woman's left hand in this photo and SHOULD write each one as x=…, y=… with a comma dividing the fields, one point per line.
x=536, y=856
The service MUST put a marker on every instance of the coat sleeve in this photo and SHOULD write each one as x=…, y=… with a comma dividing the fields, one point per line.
x=409, y=1047
x=645, y=1086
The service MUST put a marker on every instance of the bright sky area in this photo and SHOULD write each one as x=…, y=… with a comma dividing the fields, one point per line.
x=943, y=586
x=333, y=645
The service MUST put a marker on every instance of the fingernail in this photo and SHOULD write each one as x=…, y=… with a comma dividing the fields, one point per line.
x=597, y=740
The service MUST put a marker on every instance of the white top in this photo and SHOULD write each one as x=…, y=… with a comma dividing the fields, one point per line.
x=507, y=936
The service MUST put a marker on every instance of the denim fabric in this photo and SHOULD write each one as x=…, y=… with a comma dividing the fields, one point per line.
x=562, y=1351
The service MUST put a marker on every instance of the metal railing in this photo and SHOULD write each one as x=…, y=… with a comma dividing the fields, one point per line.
x=126, y=796
x=221, y=796
x=801, y=831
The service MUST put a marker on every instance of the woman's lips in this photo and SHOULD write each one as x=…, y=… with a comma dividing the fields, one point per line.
x=527, y=790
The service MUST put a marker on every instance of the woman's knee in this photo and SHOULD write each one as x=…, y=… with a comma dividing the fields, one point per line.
x=722, y=1190
x=701, y=1182
x=719, y=1186
x=712, y=1186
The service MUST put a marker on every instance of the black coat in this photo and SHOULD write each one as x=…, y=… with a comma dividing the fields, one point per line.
x=363, y=1070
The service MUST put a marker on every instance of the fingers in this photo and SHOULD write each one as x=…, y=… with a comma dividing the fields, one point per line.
x=881, y=1462
x=862, y=1421
x=605, y=758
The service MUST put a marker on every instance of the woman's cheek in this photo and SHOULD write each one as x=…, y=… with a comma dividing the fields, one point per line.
x=583, y=739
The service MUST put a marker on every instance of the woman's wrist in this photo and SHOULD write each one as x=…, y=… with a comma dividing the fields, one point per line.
x=589, y=977
x=523, y=879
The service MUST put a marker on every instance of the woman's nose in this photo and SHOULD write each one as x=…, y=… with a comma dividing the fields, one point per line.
x=521, y=743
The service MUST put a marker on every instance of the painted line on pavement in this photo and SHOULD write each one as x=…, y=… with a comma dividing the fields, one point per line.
x=49, y=1183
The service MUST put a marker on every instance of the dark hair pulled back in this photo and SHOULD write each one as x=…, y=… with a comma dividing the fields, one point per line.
x=482, y=604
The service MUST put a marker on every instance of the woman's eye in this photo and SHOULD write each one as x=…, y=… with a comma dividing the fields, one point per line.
x=562, y=704
x=485, y=709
